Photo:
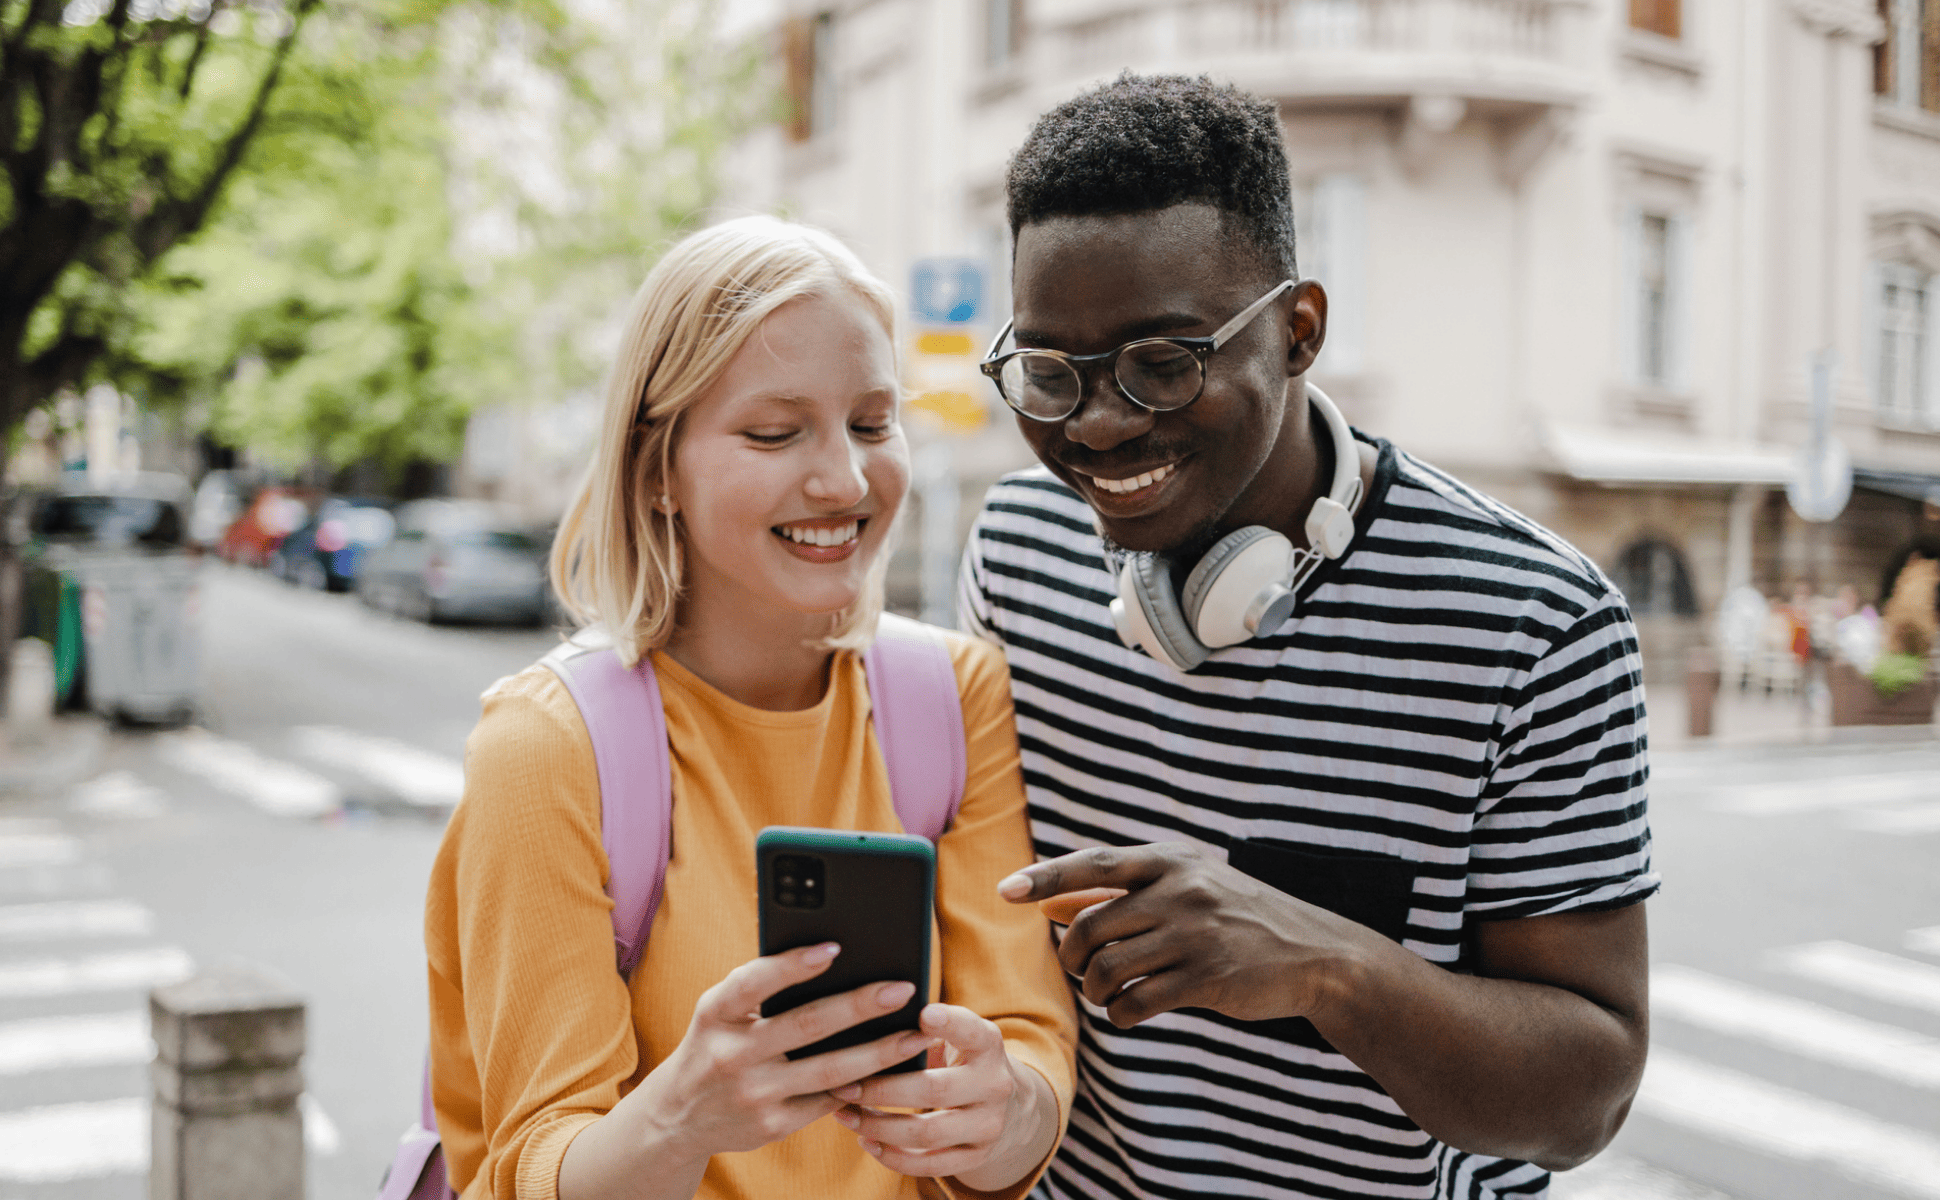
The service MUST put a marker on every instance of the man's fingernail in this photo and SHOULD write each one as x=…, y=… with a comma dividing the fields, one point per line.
x=1014, y=887
x=823, y=952
x=894, y=995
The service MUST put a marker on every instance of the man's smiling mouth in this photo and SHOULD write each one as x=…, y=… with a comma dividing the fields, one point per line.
x=1119, y=487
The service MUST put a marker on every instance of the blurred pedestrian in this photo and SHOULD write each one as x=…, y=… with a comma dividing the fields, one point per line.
x=734, y=528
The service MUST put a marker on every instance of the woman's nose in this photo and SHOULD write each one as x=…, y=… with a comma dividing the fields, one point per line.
x=838, y=474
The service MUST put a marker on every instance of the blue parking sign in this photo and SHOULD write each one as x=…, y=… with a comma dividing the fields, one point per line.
x=946, y=291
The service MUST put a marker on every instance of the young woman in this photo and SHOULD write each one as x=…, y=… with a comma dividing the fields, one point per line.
x=734, y=526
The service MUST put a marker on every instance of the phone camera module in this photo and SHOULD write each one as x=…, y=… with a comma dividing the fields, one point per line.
x=799, y=881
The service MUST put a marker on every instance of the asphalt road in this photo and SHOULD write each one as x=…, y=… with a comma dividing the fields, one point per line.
x=1796, y=942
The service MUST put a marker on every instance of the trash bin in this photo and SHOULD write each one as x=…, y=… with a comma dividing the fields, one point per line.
x=113, y=589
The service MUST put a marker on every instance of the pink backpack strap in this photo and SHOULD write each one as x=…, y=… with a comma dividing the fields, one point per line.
x=624, y=718
x=918, y=714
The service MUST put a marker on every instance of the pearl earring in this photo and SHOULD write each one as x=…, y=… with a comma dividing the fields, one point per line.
x=665, y=504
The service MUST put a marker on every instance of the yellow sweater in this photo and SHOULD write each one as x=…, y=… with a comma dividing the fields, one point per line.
x=534, y=1035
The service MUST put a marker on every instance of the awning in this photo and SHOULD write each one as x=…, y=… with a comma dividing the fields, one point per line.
x=1908, y=485
x=1599, y=456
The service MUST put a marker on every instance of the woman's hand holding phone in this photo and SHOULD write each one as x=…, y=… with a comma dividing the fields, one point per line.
x=729, y=1085
x=990, y=1119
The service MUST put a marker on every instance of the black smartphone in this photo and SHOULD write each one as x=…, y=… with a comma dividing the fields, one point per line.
x=869, y=892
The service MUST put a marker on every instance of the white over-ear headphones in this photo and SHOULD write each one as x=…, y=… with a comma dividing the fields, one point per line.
x=1245, y=585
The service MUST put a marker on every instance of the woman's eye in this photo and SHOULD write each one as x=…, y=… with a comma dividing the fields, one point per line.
x=768, y=437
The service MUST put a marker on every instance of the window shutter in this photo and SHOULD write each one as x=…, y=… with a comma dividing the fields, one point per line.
x=1872, y=335
x=1340, y=224
x=1678, y=282
x=1928, y=379
x=1630, y=286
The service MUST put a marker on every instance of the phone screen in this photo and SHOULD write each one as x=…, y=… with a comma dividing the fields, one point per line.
x=870, y=892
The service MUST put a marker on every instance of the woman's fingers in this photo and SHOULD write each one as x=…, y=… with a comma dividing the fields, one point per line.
x=834, y=1070
x=977, y=1044
x=737, y=998
x=811, y=1022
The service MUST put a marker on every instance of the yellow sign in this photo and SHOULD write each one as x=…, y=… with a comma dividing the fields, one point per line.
x=958, y=410
x=945, y=343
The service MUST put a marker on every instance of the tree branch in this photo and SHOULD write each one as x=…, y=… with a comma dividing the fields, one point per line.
x=62, y=364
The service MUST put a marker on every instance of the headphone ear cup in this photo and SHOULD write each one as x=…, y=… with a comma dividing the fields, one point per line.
x=1230, y=583
x=1146, y=584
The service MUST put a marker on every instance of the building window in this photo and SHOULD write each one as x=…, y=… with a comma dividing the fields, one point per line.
x=809, y=48
x=1901, y=371
x=1655, y=287
x=1652, y=576
x=1330, y=234
x=1662, y=17
x=1906, y=65
x=1003, y=28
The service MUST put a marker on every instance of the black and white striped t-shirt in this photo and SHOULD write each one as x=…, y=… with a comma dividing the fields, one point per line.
x=1449, y=730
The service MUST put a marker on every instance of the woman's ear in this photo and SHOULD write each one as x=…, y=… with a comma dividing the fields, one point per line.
x=1306, y=326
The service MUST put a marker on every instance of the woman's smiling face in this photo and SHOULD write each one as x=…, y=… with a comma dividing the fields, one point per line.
x=788, y=473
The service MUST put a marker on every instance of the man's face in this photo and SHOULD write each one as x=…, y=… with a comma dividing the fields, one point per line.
x=1086, y=285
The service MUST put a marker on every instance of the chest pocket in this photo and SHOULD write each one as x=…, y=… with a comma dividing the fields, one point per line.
x=1375, y=890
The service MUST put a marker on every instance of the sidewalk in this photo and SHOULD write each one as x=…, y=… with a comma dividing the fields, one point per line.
x=1755, y=719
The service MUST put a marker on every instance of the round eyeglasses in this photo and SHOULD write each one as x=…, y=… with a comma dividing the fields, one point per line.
x=1160, y=373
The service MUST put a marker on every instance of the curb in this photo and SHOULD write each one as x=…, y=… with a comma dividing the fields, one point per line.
x=72, y=752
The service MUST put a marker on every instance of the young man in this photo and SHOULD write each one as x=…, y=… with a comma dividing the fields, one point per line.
x=1382, y=861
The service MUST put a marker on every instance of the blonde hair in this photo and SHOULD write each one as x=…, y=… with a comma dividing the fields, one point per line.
x=617, y=559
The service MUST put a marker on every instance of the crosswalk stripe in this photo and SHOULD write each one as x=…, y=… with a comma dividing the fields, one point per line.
x=1792, y=796
x=57, y=1143
x=278, y=787
x=74, y=918
x=419, y=776
x=1924, y=941
x=37, y=850
x=54, y=1043
x=1789, y=1125
x=119, y=794
x=1796, y=1026
x=1869, y=972
x=98, y=973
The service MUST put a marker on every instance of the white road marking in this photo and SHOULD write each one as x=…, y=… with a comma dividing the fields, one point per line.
x=1611, y=1176
x=60, y=1142
x=57, y=1143
x=1789, y=1125
x=37, y=849
x=1795, y=1026
x=419, y=776
x=1869, y=972
x=129, y=969
x=271, y=784
x=1924, y=941
x=1917, y=818
x=119, y=794
x=54, y=1043
x=74, y=918
x=1791, y=796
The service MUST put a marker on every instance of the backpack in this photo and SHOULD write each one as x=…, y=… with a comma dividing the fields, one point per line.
x=918, y=715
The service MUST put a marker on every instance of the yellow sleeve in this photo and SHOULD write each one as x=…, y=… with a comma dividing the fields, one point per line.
x=998, y=958
x=538, y=1041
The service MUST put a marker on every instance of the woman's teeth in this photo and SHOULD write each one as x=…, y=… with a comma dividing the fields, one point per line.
x=819, y=536
x=1135, y=482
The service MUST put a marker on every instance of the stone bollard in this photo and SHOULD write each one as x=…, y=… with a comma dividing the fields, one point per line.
x=1701, y=679
x=30, y=694
x=228, y=1074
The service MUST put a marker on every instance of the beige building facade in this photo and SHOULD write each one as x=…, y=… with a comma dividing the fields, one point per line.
x=1580, y=252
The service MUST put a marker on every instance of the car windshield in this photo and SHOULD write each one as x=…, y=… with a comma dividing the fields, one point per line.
x=109, y=520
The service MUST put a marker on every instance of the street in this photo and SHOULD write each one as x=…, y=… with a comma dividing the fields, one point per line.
x=1796, y=943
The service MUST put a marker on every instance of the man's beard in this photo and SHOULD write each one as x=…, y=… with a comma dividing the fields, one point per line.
x=1188, y=551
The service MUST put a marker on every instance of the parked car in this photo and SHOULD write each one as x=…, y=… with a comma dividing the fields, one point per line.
x=328, y=550
x=270, y=517
x=112, y=587
x=459, y=560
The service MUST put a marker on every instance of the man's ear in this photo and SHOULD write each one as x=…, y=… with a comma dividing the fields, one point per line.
x=1306, y=326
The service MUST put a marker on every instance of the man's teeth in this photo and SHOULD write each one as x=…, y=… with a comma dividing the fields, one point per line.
x=809, y=536
x=1135, y=482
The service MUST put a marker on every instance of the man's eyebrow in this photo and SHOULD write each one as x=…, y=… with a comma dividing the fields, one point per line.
x=1149, y=327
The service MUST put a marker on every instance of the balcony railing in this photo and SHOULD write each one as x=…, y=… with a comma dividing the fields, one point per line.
x=1506, y=49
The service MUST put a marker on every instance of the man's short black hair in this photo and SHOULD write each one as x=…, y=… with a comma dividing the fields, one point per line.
x=1146, y=142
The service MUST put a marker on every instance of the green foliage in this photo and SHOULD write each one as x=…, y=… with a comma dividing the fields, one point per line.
x=1894, y=673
